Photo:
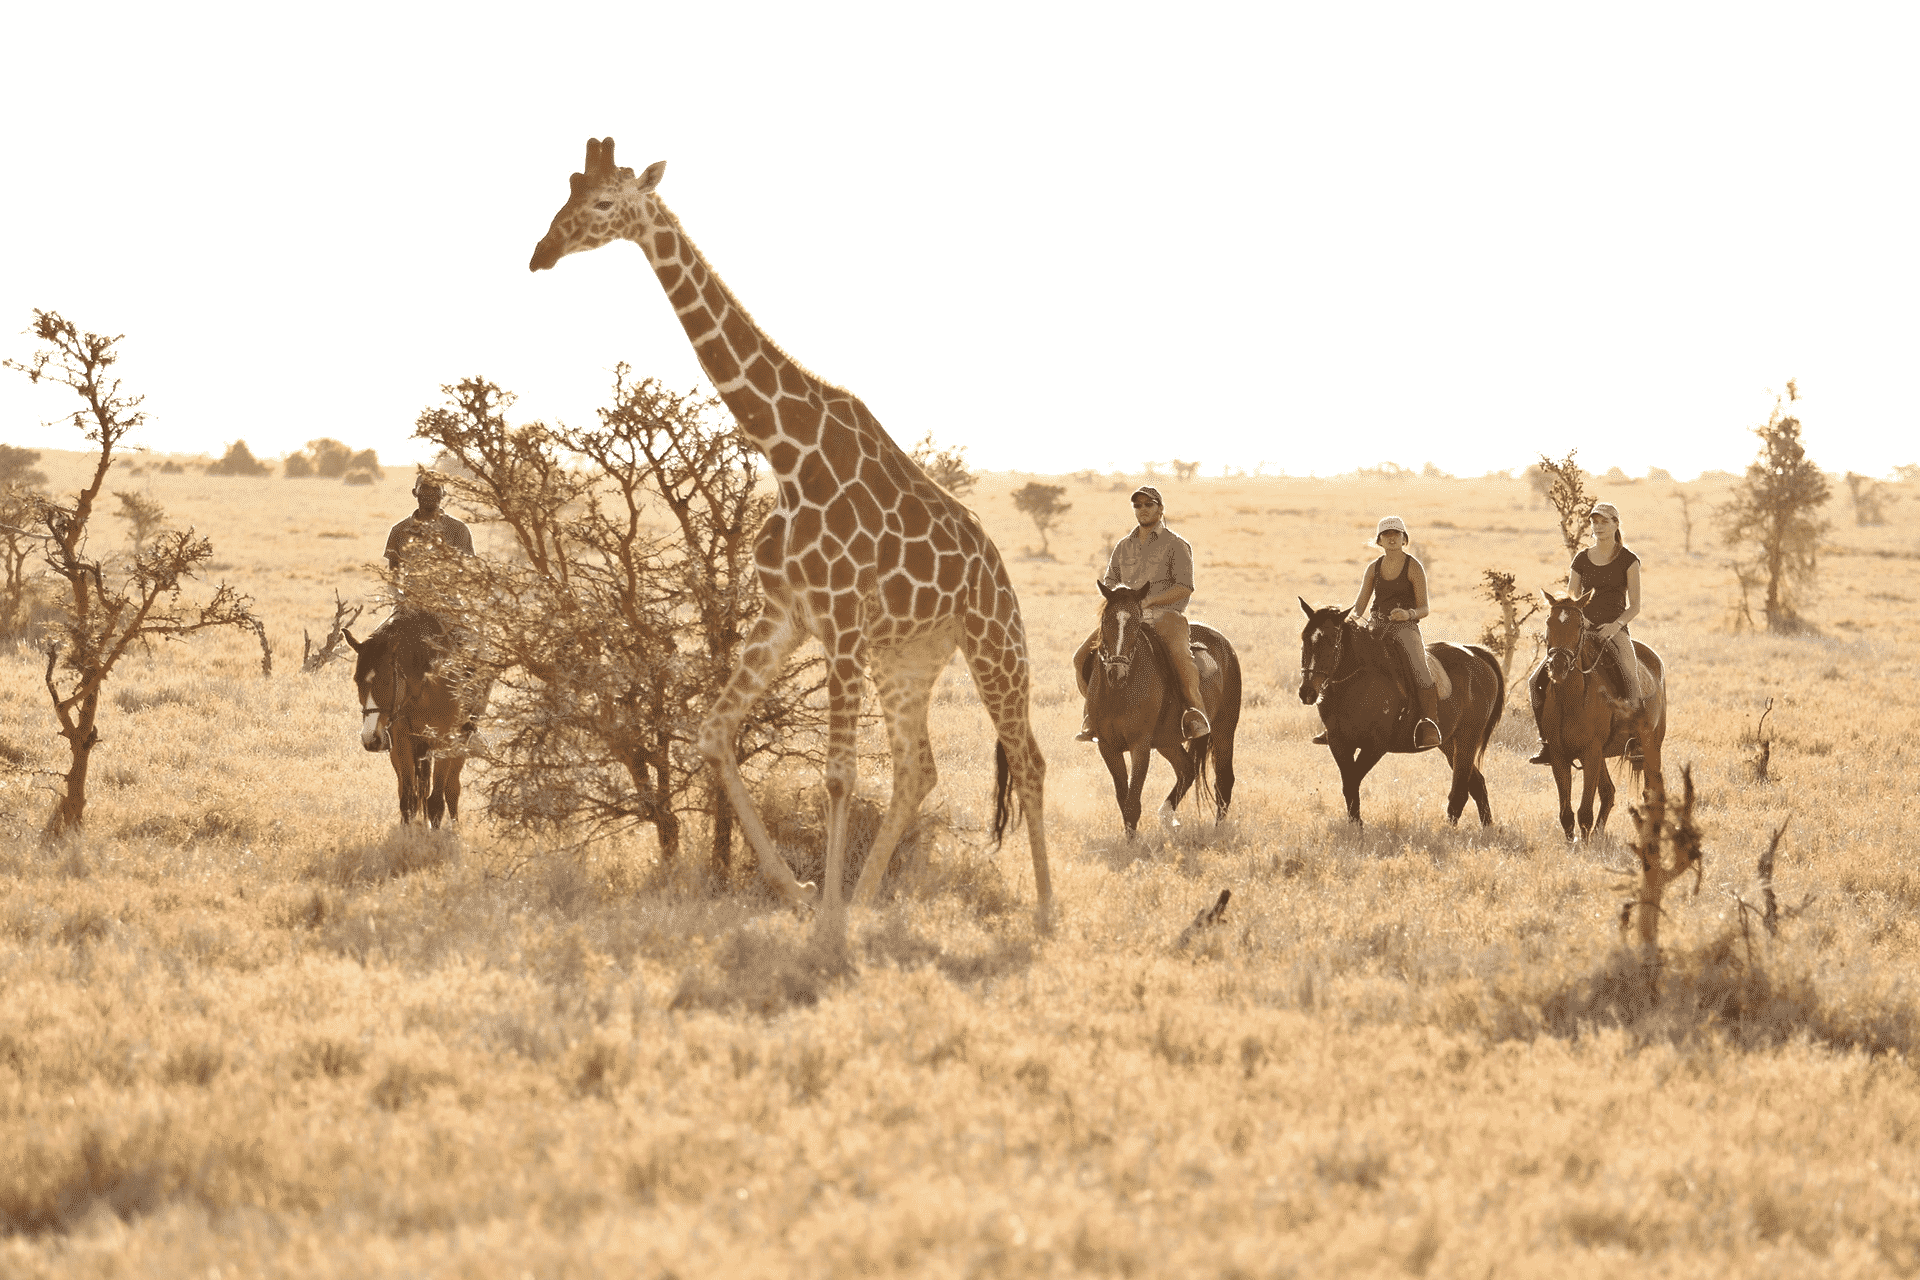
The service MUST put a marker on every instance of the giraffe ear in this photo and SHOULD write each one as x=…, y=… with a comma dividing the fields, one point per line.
x=651, y=178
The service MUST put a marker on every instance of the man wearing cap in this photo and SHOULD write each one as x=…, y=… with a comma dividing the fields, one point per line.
x=428, y=524
x=1158, y=563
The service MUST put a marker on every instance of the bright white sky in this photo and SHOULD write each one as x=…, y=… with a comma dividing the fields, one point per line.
x=1063, y=236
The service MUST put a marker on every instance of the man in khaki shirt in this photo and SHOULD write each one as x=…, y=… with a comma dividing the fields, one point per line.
x=1157, y=562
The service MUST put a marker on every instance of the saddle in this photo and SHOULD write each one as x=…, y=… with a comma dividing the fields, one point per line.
x=1641, y=676
x=1402, y=671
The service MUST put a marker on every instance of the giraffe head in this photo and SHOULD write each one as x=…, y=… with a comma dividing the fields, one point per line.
x=607, y=203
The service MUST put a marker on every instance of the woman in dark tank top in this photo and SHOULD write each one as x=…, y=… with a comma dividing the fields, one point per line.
x=1612, y=573
x=1396, y=584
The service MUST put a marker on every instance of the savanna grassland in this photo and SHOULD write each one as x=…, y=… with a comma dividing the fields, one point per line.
x=251, y=1028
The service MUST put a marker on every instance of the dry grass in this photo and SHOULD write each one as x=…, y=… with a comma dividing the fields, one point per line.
x=251, y=1025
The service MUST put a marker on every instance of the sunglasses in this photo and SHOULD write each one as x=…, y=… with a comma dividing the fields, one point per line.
x=1146, y=504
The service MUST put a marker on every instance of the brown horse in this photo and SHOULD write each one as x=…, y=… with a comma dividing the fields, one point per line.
x=1344, y=668
x=1134, y=707
x=417, y=703
x=1582, y=722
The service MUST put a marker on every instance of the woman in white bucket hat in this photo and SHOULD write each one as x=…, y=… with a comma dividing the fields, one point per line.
x=1396, y=584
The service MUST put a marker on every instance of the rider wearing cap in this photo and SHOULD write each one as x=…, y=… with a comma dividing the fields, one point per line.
x=428, y=524
x=1158, y=563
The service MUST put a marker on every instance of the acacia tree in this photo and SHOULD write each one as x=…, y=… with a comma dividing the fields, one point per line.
x=100, y=616
x=609, y=637
x=1042, y=505
x=1773, y=509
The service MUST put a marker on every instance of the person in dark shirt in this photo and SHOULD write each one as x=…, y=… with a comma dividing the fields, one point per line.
x=428, y=524
x=1612, y=573
x=1396, y=585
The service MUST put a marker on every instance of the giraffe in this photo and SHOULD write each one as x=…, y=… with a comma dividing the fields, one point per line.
x=863, y=552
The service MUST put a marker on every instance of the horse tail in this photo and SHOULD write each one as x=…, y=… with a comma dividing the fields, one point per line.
x=1198, y=751
x=1004, y=804
x=1485, y=655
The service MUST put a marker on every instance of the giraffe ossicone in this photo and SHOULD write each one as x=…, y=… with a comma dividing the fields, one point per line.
x=864, y=553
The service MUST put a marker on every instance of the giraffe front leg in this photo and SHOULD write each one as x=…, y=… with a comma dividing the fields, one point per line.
x=844, y=679
x=903, y=678
x=772, y=637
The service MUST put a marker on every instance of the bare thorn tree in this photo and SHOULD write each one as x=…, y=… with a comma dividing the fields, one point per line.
x=945, y=467
x=99, y=617
x=1774, y=510
x=1565, y=490
x=1502, y=635
x=312, y=659
x=622, y=613
x=1686, y=501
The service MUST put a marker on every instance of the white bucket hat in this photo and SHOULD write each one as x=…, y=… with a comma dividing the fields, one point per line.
x=1390, y=522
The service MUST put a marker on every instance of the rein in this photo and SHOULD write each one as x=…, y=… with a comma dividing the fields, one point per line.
x=1339, y=648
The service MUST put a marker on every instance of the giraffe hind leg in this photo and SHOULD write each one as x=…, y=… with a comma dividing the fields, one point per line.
x=904, y=677
x=772, y=637
x=1000, y=673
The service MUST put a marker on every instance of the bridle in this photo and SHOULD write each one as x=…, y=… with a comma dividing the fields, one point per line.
x=1329, y=678
x=383, y=734
x=1116, y=666
x=1563, y=662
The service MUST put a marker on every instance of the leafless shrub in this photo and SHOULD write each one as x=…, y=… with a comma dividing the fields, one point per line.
x=312, y=659
x=945, y=467
x=1184, y=471
x=102, y=617
x=1762, y=752
x=1562, y=484
x=1502, y=635
x=143, y=514
x=609, y=642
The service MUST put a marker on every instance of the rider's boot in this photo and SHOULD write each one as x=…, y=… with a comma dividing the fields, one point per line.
x=1320, y=739
x=1427, y=733
x=1194, y=724
x=1533, y=693
x=1086, y=726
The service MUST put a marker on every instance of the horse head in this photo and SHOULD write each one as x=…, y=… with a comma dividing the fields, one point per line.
x=1122, y=624
x=374, y=678
x=1322, y=646
x=1566, y=629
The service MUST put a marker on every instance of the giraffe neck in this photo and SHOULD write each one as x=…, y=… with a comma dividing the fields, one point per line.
x=778, y=404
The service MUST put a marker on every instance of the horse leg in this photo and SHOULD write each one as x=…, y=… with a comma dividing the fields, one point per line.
x=1142, y=753
x=1184, y=776
x=1222, y=772
x=1605, y=783
x=1116, y=759
x=1477, y=788
x=1594, y=767
x=1351, y=774
x=449, y=786
x=1563, y=782
x=1461, y=759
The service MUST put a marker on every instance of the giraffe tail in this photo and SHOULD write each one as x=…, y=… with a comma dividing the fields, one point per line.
x=1003, y=801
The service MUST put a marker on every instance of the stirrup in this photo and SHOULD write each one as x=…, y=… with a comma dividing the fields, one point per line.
x=1192, y=715
x=1633, y=753
x=1540, y=756
x=1425, y=723
x=1319, y=739
x=1085, y=735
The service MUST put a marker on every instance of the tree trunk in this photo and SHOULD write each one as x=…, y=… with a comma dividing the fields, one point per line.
x=70, y=810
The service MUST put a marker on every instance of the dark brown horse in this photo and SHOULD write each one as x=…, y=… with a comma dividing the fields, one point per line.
x=1135, y=705
x=1366, y=708
x=418, y=701
x=1581, y=718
